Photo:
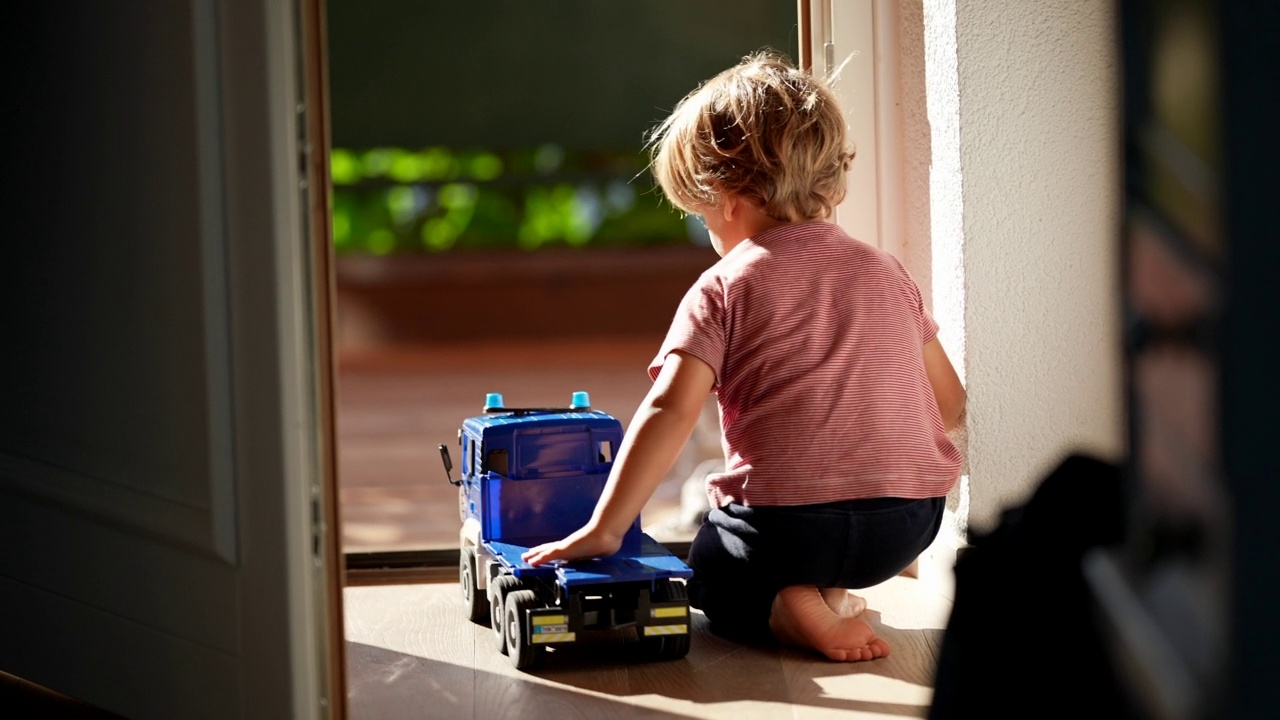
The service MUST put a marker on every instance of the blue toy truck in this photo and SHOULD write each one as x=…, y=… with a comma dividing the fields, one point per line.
x=533, y=475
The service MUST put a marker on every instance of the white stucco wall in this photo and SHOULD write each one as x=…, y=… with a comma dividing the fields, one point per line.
x=933, y=234
x=1040, y=185
x=1011, y=200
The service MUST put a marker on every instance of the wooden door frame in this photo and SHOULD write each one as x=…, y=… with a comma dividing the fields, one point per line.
x=326, y=513
x=854, y=45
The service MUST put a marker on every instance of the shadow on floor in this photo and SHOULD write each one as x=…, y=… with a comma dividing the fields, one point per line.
x=720, y=671
x=389, y=685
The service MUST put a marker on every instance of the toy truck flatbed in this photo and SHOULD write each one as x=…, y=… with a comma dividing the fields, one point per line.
x=534, y=475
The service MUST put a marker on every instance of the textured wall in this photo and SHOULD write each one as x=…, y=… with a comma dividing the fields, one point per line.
x=1011, y=199
x=1039, y=163
x=932, y=245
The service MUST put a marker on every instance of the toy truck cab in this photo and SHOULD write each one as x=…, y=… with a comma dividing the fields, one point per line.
x=533, y=475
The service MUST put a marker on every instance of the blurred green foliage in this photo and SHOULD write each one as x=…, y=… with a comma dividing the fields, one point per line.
x=436, y=199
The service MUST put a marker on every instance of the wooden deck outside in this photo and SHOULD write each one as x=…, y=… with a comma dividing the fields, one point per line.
x=397, y=405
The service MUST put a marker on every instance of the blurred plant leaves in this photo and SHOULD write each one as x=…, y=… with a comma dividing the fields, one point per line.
x=396, y=200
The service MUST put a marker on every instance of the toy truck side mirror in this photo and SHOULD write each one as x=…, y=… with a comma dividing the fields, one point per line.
x=448, y=466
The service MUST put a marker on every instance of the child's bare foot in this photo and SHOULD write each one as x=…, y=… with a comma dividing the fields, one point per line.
x=801, y=617
x=843, y=602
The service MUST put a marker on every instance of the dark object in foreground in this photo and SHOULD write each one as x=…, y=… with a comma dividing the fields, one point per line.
x=1022, y=608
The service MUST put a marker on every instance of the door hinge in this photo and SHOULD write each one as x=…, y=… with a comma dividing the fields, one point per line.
x=317, y=528
x=304, y=148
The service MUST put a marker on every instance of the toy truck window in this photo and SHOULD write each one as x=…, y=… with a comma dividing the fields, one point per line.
x=606, y=451
x=497, y=462
x=555, y=454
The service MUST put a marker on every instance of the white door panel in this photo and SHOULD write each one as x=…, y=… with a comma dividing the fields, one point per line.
x=854, y=44
x=159, y=436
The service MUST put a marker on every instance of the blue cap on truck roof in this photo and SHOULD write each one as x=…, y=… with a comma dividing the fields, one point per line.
x=493, y=401
x=581, y=401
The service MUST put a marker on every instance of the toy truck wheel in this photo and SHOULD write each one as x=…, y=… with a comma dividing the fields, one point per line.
x=667, y=647
x=523, y=654
x=499, y=588
x=476, y=602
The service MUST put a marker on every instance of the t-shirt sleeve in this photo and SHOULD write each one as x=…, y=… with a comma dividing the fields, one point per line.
x=698, y=327
x=928, y=326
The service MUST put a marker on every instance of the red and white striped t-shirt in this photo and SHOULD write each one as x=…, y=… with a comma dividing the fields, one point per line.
x=817, y=343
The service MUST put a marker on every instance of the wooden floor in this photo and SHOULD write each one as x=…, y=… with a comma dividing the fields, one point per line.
x=411, y=653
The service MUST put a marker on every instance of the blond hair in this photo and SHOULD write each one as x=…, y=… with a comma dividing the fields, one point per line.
x=763, y=130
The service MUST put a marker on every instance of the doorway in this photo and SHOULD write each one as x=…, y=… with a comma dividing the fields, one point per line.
x=495, y=230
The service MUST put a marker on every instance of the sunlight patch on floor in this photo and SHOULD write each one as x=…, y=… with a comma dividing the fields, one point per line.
x=371, y=533
x=872, y=688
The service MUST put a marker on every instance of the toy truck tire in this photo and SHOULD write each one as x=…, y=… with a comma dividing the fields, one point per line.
x=523, y=653
x=476, y=602
x=667, y=647
x=499, y=588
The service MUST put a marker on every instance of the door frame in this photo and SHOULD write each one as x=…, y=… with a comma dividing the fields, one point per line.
x=326, y=513
x=854, y=45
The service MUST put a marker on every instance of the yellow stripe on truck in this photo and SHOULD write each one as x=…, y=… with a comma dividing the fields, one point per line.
x=667, y=612
x=553, y=638
x=666, y=630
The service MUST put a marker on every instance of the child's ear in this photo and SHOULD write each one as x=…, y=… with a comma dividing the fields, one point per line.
x=729, y=206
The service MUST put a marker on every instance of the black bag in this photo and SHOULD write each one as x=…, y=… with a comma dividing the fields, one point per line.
x=1022, y=640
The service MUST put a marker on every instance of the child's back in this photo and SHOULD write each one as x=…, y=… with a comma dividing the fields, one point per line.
x=816, y=342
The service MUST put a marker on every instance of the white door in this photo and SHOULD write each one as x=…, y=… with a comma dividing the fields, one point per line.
x=163, y=424
x=854, y=44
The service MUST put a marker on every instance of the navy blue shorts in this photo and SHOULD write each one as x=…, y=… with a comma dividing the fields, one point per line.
x=742, y=556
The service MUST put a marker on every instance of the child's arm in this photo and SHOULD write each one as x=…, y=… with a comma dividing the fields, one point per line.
x=660, y=428
x=947, y=389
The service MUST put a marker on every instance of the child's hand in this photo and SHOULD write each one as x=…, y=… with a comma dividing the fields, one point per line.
x=583, y=543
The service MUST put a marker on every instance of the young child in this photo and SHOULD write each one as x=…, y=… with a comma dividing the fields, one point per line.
x=835, y=395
